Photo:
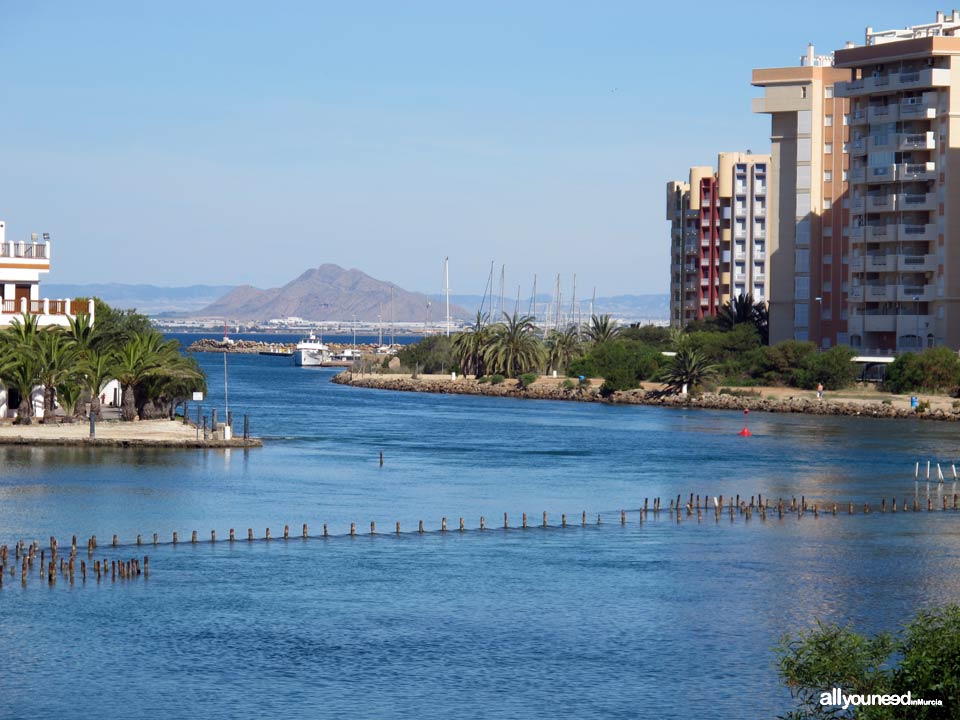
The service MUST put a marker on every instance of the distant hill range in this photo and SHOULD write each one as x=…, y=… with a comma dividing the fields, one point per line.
x=148, y=299
x=330, y=293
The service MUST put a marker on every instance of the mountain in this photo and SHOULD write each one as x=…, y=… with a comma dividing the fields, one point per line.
x=149, y=299
x=329, y=293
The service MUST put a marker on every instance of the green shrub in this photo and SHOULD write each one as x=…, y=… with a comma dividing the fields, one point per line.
x=733, y=392
x=923, y=406
x=433, y=354
x=528, y=379
x=922, y=660
x=886, y=401
x=831, y=367
x=568, y=384
x=483, y=380
x=933, y=370
x=584, y=381
x=496, y=379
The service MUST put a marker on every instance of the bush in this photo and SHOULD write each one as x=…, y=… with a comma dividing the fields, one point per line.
x=483, y=380
x=831, y=367
x=933, y=370
x=433, y=354
x=739, y=393
x=922, y=660
x=568, y=384
x=528, y=379
x=923, y=406
x=496, y=379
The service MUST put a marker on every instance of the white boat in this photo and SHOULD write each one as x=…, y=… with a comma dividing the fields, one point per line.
x=311, y=352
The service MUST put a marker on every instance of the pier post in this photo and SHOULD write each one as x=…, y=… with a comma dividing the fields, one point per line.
x=373, y=528
x=246, y=427
x=563, y=520
x=267, y=534
x=304, y=531
x=443, y=524
x=232, y=536
x=544, y=518
x=505, y=523
x=193, y=537
x=353, y=529
x=325, y=533
x=206, y=431
x=139, y=540
x=213, y=536
x=420, y=527
x=398, y=527
x=461, y=525
x=524, y=521
x=249, y=534
x=174, y=537
x=583, y=519
x=286, y=532
x=156, y=538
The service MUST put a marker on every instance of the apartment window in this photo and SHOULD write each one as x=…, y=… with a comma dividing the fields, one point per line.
x=803, y=261
x=828, y=175
x=828, y=92
x=828, y=148
x=844, y=176
x=828, y=120
x=801, y=288
x=846, y=119
x=803, y=91
x=803, y=177
x=827, y=203
x=801, y=314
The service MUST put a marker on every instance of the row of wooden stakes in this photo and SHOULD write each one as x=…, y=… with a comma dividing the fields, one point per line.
x=735, y=506
x=66, y=567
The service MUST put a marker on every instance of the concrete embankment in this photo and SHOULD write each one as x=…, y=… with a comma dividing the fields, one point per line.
x=550, y=389
x=142, y=434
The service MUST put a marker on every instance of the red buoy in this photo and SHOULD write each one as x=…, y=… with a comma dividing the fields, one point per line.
x=746, y=411
x=745, y=433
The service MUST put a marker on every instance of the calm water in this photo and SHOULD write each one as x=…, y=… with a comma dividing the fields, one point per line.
x=660, y=621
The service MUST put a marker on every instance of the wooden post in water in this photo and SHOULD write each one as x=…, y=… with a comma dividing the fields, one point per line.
x=246, y=427
x=544, y=518
x=193, y=537
x=373, y=528
x=893, y=505
x=54, y=545
x=883, y=505
x=623, y=517
x=267, y=534
x=563, y=520
x=213, y=536
x=146, y=566
x=325, y=534
x=249, y=534
x=599, y=519
x=286, y=532
x=462, y=528
x=583, y=520
x=174, y=537
x=443, y=524
x=353, y=529
x=304, y=531
x=398, y=527
x=505, y=523
x=232, y=535
x=524, y=521
x=850, y=509
x=483, y=523
x=420, y=527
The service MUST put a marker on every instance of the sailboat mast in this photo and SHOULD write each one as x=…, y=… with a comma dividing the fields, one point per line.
x=392, y=328
x=446, y=283
x=533, y=299
x=573, y=301
x=503, y=274
x=559, y=298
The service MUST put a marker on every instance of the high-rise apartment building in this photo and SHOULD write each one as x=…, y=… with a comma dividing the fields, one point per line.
x=718, y=236
x=807, y=245
x=904, y=186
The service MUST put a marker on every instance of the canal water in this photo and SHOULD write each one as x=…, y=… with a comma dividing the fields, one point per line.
x=659, y=620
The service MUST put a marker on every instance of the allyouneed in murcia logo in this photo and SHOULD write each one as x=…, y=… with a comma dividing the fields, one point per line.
x=836, y=698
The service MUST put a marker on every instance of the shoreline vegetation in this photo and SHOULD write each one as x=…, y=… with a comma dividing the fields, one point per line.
x=858, y=402
x=723, y=362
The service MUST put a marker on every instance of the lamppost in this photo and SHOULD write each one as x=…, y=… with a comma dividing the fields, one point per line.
x=916, y=299
x=819, y=301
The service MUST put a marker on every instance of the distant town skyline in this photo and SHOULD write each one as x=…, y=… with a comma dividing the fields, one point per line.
x=231, y=144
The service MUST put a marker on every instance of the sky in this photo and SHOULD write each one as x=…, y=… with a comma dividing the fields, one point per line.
x=182, y=143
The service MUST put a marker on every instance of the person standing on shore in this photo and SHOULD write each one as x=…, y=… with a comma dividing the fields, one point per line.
x=819, y=391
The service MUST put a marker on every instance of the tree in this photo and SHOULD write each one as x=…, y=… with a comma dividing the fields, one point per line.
x=688, y=369
x=562, y=347
x=601, y=329
x=744, y=309
x=57, y=362
x=922, y=660
x=19, y=370
x=933, y=370
x=831, y=367
x=514, y=347
x=469, y=345
x=433, y=354
x=96, y=371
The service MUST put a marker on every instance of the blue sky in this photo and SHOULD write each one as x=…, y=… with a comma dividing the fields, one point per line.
x=230, y=142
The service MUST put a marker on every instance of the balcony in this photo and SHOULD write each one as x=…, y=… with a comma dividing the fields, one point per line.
x=908, y=172
x=759, y=256
x=928, y=77
x=856, y=233
x=704, y=282
x=857, y=264
x=879, y=262
x=858, y=117
x=858, y=205
x=759, y=277
x=881, y=233
x=857, y=175
x=691, y=268
x=883, y=113
x=759, y=211
x=917, y=263
x=855, y=294
x=49, y=312
x=878, y=293
x=915, y=293
x=879, y=323
x=857, y=147
x=705, y=262
x=917, y=201
x=881, y=203
x=917, y=141
x=759, y=188
x=885, y=143
x=881, y=174
x=25, y=250
x=739, y=255
x=918, y=233
x=851, y=88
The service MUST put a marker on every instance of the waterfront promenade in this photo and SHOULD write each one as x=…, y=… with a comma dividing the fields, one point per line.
x=143, y=433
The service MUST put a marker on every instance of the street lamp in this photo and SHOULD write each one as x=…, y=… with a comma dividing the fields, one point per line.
x=916, y=299
x=819, y=301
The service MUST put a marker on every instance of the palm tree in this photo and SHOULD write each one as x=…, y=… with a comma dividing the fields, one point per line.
x=69, y=392
x=96, y=370
x=149, y=367
x=601, y=329
x=468, y=346
x=688, y=369
x=19, y=370
x=562, y=347
x=737, y=310
x=514, y=347
x=57, y=358
x=761, y=318
x=135, y=360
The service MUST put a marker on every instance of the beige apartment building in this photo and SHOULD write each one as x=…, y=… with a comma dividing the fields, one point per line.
x=807, y=245
x=718, y=230
x=904, y=186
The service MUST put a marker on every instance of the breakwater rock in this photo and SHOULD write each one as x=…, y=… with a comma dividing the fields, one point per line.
x=707, y=401
x=236, y=346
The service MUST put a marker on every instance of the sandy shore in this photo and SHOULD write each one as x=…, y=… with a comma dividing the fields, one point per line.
x=859, y=401
x=145, y=433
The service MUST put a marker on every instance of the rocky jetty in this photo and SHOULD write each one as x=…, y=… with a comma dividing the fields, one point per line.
x=709, y=401
x=252, y=347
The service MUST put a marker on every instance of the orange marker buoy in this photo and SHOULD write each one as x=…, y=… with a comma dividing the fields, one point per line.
x=745, y=433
